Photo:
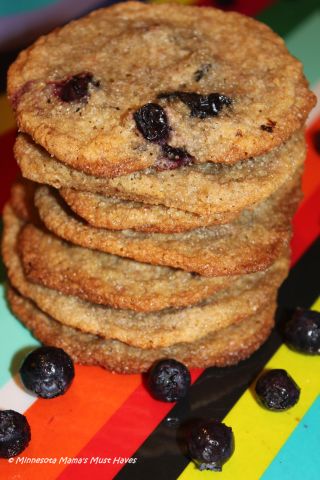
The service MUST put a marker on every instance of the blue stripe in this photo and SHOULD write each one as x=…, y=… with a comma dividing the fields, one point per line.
x=16, y=340
x=299, y=458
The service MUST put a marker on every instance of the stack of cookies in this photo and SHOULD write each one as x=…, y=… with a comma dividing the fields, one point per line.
x=163, y=148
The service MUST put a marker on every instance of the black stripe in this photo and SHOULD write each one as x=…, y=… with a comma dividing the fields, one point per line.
x=215, y=392
x=6, y=58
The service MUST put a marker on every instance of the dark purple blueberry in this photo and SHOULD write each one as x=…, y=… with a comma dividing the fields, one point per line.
x=210, y=445
x=173, y=158
x=201, y=106
x=169, y=380
x=316, y=141
x=75, y=88
x=302, y=331
x=276, y=390
x=202, y=71
x=47, y=371
x=15, y=433
x=152, y=122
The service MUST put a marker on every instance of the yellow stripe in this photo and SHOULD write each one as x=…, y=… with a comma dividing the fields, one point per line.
x=316, y=305
x=6, y=118
x=259, y=433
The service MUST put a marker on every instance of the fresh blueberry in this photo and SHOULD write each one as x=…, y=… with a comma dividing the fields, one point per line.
x=152, y=122
x=15, y=433
x=276, y=390
x=75, y=88
x=201, y=106
x=47, y=371
x=173, y=158
x=302, y=331
x=169, y=380
x=210, y=445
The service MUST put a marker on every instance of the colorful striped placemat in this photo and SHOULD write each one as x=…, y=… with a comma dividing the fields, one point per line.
x=107, y=419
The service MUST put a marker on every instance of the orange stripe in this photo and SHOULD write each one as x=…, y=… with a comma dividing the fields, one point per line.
x=7, y=120
x=61, y=426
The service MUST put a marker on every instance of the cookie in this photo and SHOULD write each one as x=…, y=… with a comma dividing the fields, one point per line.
x=226, y=347
x=108, y=279
x=135, y=86
x=204, y=189
x=22, y=199
x=144, y=330
x=116, y=214
x=249, y=244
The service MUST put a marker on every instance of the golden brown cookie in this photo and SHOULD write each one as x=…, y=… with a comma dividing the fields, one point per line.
x=226, y=347
x=108, y=279
x=22, y=199
x=251, y=243
x=135, y=86
x=153, y=330
x=206, y=190
x=116, y=214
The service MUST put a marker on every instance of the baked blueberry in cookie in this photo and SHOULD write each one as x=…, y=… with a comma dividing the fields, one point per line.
x=75, y=88
x=152, y=122
x=201, y=106
x=173, y=158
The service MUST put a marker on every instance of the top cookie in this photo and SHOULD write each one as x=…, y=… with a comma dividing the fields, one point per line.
x=135, y=85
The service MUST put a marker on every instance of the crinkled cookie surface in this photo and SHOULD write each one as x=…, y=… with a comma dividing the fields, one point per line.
x=136, y=86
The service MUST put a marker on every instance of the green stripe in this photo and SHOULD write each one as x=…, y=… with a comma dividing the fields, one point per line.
x=299, y=23
x=304, y=43
x=16, y=340
x=285, y=15
x=22, y=6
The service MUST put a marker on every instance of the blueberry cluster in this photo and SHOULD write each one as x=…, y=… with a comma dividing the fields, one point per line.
x=152, y=122
x=47, y=372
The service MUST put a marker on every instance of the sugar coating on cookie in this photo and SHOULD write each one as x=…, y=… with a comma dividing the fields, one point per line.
x=207, y=189
x=251, y=293
x=225, y=347
x=249, y=244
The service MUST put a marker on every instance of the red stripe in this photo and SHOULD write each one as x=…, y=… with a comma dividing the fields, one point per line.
x=121, y=435
x=9, y=167
x=311, y=176
x=247, y=7
x=60, y=427
x=306, y=225
x=306, y=222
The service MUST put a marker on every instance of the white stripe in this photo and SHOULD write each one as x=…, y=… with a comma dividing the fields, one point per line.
x=316, y=111
x=14, y=397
